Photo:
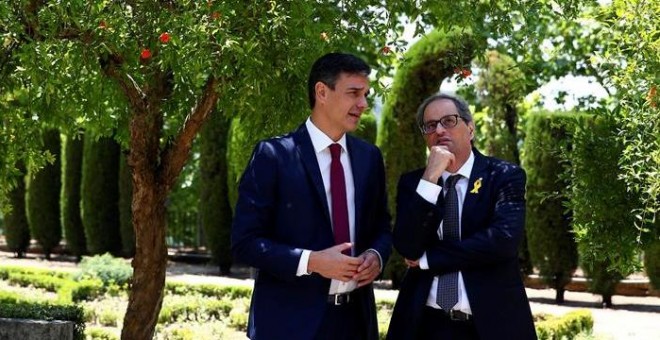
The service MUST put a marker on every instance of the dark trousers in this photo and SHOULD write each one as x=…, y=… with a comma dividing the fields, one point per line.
x=437, y=325
x=344, y=322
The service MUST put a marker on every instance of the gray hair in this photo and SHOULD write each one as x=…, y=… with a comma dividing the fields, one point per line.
x=461, y=106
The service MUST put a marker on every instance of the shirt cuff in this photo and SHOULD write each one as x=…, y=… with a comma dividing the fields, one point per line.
x=380, y=259
x=428, y=191
x=302, y=264
x=424, y=262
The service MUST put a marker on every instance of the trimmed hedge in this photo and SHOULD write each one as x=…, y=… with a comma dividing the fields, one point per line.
x=16, y=228
x=125, y=208
x=214, y=208
x=564, y=327
x=550, y=238
x=652, y=263
x=43, y=203
x=210, y=290
x=74, y=232
x=100, y=195
x=12, y=306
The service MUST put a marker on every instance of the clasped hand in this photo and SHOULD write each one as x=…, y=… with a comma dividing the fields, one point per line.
x=332, y=264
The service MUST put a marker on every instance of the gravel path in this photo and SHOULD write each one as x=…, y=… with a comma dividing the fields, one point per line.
x=631, y=318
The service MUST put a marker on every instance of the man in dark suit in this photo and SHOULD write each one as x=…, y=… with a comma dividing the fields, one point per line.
x=312, y=217
x=459, y=222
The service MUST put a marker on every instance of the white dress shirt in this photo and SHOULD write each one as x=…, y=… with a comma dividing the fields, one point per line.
x=430, y=191
x=321, y=143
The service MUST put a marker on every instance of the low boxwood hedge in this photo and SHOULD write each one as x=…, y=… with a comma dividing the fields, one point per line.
x=564, y=327
x=13, y=306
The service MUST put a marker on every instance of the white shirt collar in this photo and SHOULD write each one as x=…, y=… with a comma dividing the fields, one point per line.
x=320, y=140
x=464, y=171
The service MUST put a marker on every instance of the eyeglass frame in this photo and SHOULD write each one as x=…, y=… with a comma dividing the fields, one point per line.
x=456, y=116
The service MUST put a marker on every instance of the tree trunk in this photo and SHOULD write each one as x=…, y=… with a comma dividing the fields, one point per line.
x=149, y=263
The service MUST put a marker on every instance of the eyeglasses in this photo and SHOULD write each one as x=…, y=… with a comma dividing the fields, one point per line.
x=447, y=122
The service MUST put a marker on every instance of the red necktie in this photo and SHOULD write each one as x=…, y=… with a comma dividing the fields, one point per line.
x=338, y=195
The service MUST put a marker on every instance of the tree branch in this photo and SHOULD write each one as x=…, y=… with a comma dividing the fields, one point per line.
x=110, y=65
x=174, y=156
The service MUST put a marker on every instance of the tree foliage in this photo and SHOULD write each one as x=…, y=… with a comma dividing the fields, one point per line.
x=601, y=205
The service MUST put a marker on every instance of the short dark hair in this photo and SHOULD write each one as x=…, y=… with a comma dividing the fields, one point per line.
x=328, y=68
x=461, y=106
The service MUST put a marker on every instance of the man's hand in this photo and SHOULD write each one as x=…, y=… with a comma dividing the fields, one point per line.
x=439, y=159
x=332, y=264
x=411, y=263
x=368, y=270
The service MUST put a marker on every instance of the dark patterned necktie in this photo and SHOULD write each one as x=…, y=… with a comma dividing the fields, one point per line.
x=447, y=294
x=338, y=197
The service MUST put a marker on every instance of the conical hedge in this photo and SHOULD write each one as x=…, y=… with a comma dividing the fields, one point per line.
x=43, y=203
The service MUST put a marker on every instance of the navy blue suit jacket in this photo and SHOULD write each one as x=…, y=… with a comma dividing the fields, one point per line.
x=492, y=223
x=281, y=210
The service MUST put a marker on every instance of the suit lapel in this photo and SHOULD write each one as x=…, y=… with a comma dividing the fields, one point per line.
x=478, y=178
x=308, y=157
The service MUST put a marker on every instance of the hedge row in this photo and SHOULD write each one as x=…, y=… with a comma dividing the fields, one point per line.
x=564, y=327
x=17, y=307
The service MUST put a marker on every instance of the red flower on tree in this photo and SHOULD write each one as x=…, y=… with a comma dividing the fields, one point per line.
x=385, y=50
x=164, y=37
x=102, y=25
x=145, y=54
x=466, y=72
x=215, y=15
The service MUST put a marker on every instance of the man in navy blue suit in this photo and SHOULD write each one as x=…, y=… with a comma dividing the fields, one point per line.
x=312, y=216
x=459, y=222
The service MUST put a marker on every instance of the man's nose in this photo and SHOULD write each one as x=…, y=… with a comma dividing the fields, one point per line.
x=363, y=104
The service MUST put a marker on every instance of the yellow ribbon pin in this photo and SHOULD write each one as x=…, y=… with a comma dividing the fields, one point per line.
x=476, y=186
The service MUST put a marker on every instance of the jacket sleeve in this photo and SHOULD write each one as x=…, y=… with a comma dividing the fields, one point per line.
x=417, y=220
x=497, y=241
x=255, y=214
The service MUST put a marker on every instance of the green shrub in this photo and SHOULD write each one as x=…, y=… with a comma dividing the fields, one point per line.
x=99, y=193
x=652, y=263
x=110, y=270
x=6, y=271
x=602, y=203
x=83, y=290
x=564, y=327
x=238, y=318
x=49, y=283
x=217, y=291
x=18, y=308
x=16, y=228
x=125, y=208
x=214, y=209
x=43, y=199
x=551, y=242
x=98, y=333
x=74, y=233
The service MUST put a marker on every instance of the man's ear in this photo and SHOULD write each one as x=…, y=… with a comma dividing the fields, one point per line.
x=321, y=91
